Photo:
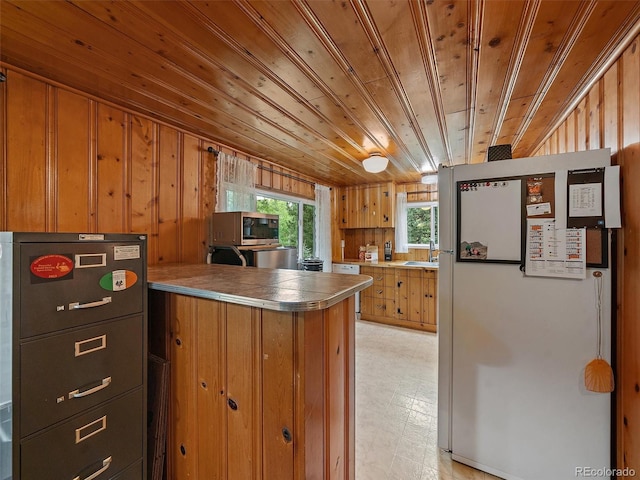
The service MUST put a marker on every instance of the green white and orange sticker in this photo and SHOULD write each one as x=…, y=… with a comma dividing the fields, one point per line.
x=118, y=280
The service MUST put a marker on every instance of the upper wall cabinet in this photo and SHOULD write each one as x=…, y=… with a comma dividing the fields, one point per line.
x=367, y=206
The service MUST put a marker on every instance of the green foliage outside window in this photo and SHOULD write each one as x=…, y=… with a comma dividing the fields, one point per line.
x=308, y=227
x=421, y=227
x=288, y=215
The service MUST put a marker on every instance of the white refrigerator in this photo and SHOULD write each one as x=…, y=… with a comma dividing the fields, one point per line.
x=513, y=347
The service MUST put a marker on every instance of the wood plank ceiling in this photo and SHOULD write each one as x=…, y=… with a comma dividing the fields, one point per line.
x=314, y=85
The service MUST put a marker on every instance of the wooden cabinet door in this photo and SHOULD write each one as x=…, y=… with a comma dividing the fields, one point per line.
x=364, y=220
x=429, y=283
x=355, y=219
x=374, y=194
x=402, y=293
x=366, y=295
x=416, y=295
x=386, y=206
x=368, y=206
x=344, y=208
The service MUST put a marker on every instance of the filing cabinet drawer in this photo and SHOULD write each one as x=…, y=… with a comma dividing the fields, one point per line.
x=134, y=472
x=67, y=285
x=107, y=438
x=64, y=374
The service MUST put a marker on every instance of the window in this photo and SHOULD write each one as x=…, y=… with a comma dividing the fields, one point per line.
x=422, y=224
x=296, y=220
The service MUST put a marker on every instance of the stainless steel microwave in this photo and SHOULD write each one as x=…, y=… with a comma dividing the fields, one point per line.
x=245, y=228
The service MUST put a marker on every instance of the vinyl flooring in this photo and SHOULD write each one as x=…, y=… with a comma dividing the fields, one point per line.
x=396, y=408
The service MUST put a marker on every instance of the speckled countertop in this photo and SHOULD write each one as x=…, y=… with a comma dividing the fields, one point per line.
x=284, y=290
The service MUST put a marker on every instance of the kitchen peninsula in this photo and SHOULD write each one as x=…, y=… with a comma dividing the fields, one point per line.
x=262, y=370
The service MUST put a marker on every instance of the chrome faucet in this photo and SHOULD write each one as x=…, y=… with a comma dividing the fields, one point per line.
x=432, y=247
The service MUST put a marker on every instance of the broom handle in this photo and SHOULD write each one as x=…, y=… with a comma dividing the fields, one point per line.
x=598, y=285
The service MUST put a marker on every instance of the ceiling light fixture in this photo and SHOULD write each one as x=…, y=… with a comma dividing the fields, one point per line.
x=375, y=163
x=429, y=179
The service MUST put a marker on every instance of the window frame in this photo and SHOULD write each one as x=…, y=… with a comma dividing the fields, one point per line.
x=293, y=199
x=422, y=204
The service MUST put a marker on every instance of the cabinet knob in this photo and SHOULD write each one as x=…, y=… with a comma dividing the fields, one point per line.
x=232, y=404
x=399, y=284
x=286, y=434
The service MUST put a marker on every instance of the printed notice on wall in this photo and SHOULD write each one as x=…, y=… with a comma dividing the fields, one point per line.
x=554, y=252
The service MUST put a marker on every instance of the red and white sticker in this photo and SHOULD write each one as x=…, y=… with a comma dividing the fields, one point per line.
x=51, y=266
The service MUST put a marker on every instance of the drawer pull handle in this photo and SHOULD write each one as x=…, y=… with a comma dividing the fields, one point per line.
x=78, y=394
x=99, y=341
x=106, y=463
x=97, y=303
x=97, y=426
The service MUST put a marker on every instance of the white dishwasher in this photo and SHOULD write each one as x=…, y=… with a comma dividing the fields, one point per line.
x=349, y=269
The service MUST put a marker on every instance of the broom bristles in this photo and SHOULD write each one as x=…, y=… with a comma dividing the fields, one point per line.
x=598, y=376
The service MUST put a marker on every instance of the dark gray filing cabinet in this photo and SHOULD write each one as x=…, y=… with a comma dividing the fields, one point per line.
x=73, y=356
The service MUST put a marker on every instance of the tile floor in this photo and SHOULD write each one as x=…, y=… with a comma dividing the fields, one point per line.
x=396, y=407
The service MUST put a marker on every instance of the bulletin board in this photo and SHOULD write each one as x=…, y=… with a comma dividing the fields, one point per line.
x=490, y=213
x=493, y=213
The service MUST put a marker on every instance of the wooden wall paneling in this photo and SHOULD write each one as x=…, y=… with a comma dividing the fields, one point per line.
x=553, y=143
x=111, y=170
x=349, y=322
x=276, y=178
x=26, y=176
x=338, y=350
x=610, y=110
x=192, y=240
x=211, y=390
x=183, y=407
x=581, y=125
x=243, y=377
x=311, y=340
x=265, y=175
x=169, y=191
x=562, y=138
x=629, y=331
x=144, y=172
x=3, y=152
x=73, y=161
x=51, y=161
x=278, y=354
x=595, y=116
x=571, y=133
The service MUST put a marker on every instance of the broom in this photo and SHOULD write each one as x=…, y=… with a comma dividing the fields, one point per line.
x=598, y=374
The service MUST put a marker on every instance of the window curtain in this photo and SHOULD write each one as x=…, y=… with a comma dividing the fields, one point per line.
x=235, y=184
x=402, y=236
x=323, y=226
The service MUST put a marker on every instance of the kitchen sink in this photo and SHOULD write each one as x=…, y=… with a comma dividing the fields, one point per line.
x=420, y=264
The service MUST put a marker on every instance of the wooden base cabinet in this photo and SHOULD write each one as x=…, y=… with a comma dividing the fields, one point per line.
x=406, y=297
x=256, y=393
